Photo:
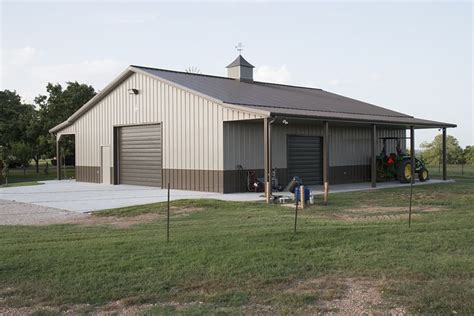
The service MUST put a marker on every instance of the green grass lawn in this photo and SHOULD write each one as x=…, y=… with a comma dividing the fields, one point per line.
x=20, y=177
x=236, y=258
x=20, y=184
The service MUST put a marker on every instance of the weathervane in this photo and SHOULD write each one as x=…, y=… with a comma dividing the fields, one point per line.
x=240, y=48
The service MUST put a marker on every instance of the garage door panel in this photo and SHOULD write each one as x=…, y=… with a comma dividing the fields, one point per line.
x=140, y=153
x=143, y=156
x=141, y=176
x=143, y=145
x=305, y=158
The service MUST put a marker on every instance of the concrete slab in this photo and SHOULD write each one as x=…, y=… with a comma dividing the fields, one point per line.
x=364, y=186
x=87, y=197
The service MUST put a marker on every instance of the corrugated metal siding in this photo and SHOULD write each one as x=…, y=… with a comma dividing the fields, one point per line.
x=192, y=125
x=348, y=145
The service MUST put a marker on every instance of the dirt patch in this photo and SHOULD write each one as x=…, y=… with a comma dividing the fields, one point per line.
x=120, y=222
x=362, y=297
x=128, y=221
x=348, y=296
x=391, y=209
x=116, y=308
x=377, y=214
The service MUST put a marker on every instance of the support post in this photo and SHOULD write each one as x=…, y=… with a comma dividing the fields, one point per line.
x=58, y=158
x=445, y=156
x=373, y=161
x=412, y=153
x=266, y=159
x=326, y=162
x=302, y=197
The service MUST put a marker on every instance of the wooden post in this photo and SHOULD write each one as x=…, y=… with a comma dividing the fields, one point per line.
x=58, y=158
x=326, y=162
x=445, y=156
x=302, y=197
x=412, y=153
x=373, y=160
x=266, y=155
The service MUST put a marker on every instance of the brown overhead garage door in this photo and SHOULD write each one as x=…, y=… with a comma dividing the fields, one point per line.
x=305, y=158
x=139, y=155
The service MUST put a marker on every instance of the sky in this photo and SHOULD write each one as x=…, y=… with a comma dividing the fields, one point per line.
x=411, y=57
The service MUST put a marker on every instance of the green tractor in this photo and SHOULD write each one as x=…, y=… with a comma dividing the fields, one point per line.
x=398, y=165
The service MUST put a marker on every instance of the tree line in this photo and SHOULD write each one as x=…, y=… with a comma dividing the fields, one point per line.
x=432, y=152
x=24, y=127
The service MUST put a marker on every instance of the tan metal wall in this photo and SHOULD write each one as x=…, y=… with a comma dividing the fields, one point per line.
x=192, y=125
x=348, y=145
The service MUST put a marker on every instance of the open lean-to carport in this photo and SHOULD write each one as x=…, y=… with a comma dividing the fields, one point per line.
x=271, y=121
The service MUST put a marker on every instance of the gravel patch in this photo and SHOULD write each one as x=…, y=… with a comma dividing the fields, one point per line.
x=362, y=297
x=18, y=213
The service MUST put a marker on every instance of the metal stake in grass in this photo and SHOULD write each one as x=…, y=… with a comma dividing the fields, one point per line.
x=168, y=216
x=409, y=208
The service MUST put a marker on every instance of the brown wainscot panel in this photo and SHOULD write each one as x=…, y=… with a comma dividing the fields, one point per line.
x=88, y=174
x=194, y=180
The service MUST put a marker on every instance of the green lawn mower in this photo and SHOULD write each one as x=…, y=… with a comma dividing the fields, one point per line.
x=398, y=165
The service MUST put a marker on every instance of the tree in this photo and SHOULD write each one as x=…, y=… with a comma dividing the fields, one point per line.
x=21, y=153
x=432, y=152
x=14, y=118
x=37, y=137
x=54, y=109
x=469, y=155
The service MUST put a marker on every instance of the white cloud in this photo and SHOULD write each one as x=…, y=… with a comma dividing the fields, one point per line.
x=129, y=19
x=24, y=71
x=375, y=76
x=273, y=74
x=95, y=72
x=334, y=82
x=19, y=56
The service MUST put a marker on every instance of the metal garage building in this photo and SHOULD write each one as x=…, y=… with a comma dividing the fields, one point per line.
x=199, y=132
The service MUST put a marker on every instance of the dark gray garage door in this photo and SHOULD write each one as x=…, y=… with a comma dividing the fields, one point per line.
x=140, y=155
x=305, y=158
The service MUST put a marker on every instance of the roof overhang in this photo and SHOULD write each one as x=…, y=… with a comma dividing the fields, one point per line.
x=416, y=123
x=399, y=121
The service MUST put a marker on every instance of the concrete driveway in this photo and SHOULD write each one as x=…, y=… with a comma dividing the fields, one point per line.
x=87, y=197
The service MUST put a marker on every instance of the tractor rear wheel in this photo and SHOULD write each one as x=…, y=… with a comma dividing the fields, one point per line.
x=423, y=174
x=404, y=171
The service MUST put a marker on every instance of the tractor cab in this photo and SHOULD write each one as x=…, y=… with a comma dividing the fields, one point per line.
x=397, y=165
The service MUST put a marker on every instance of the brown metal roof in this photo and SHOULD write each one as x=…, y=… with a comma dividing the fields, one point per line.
x=288, y=100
